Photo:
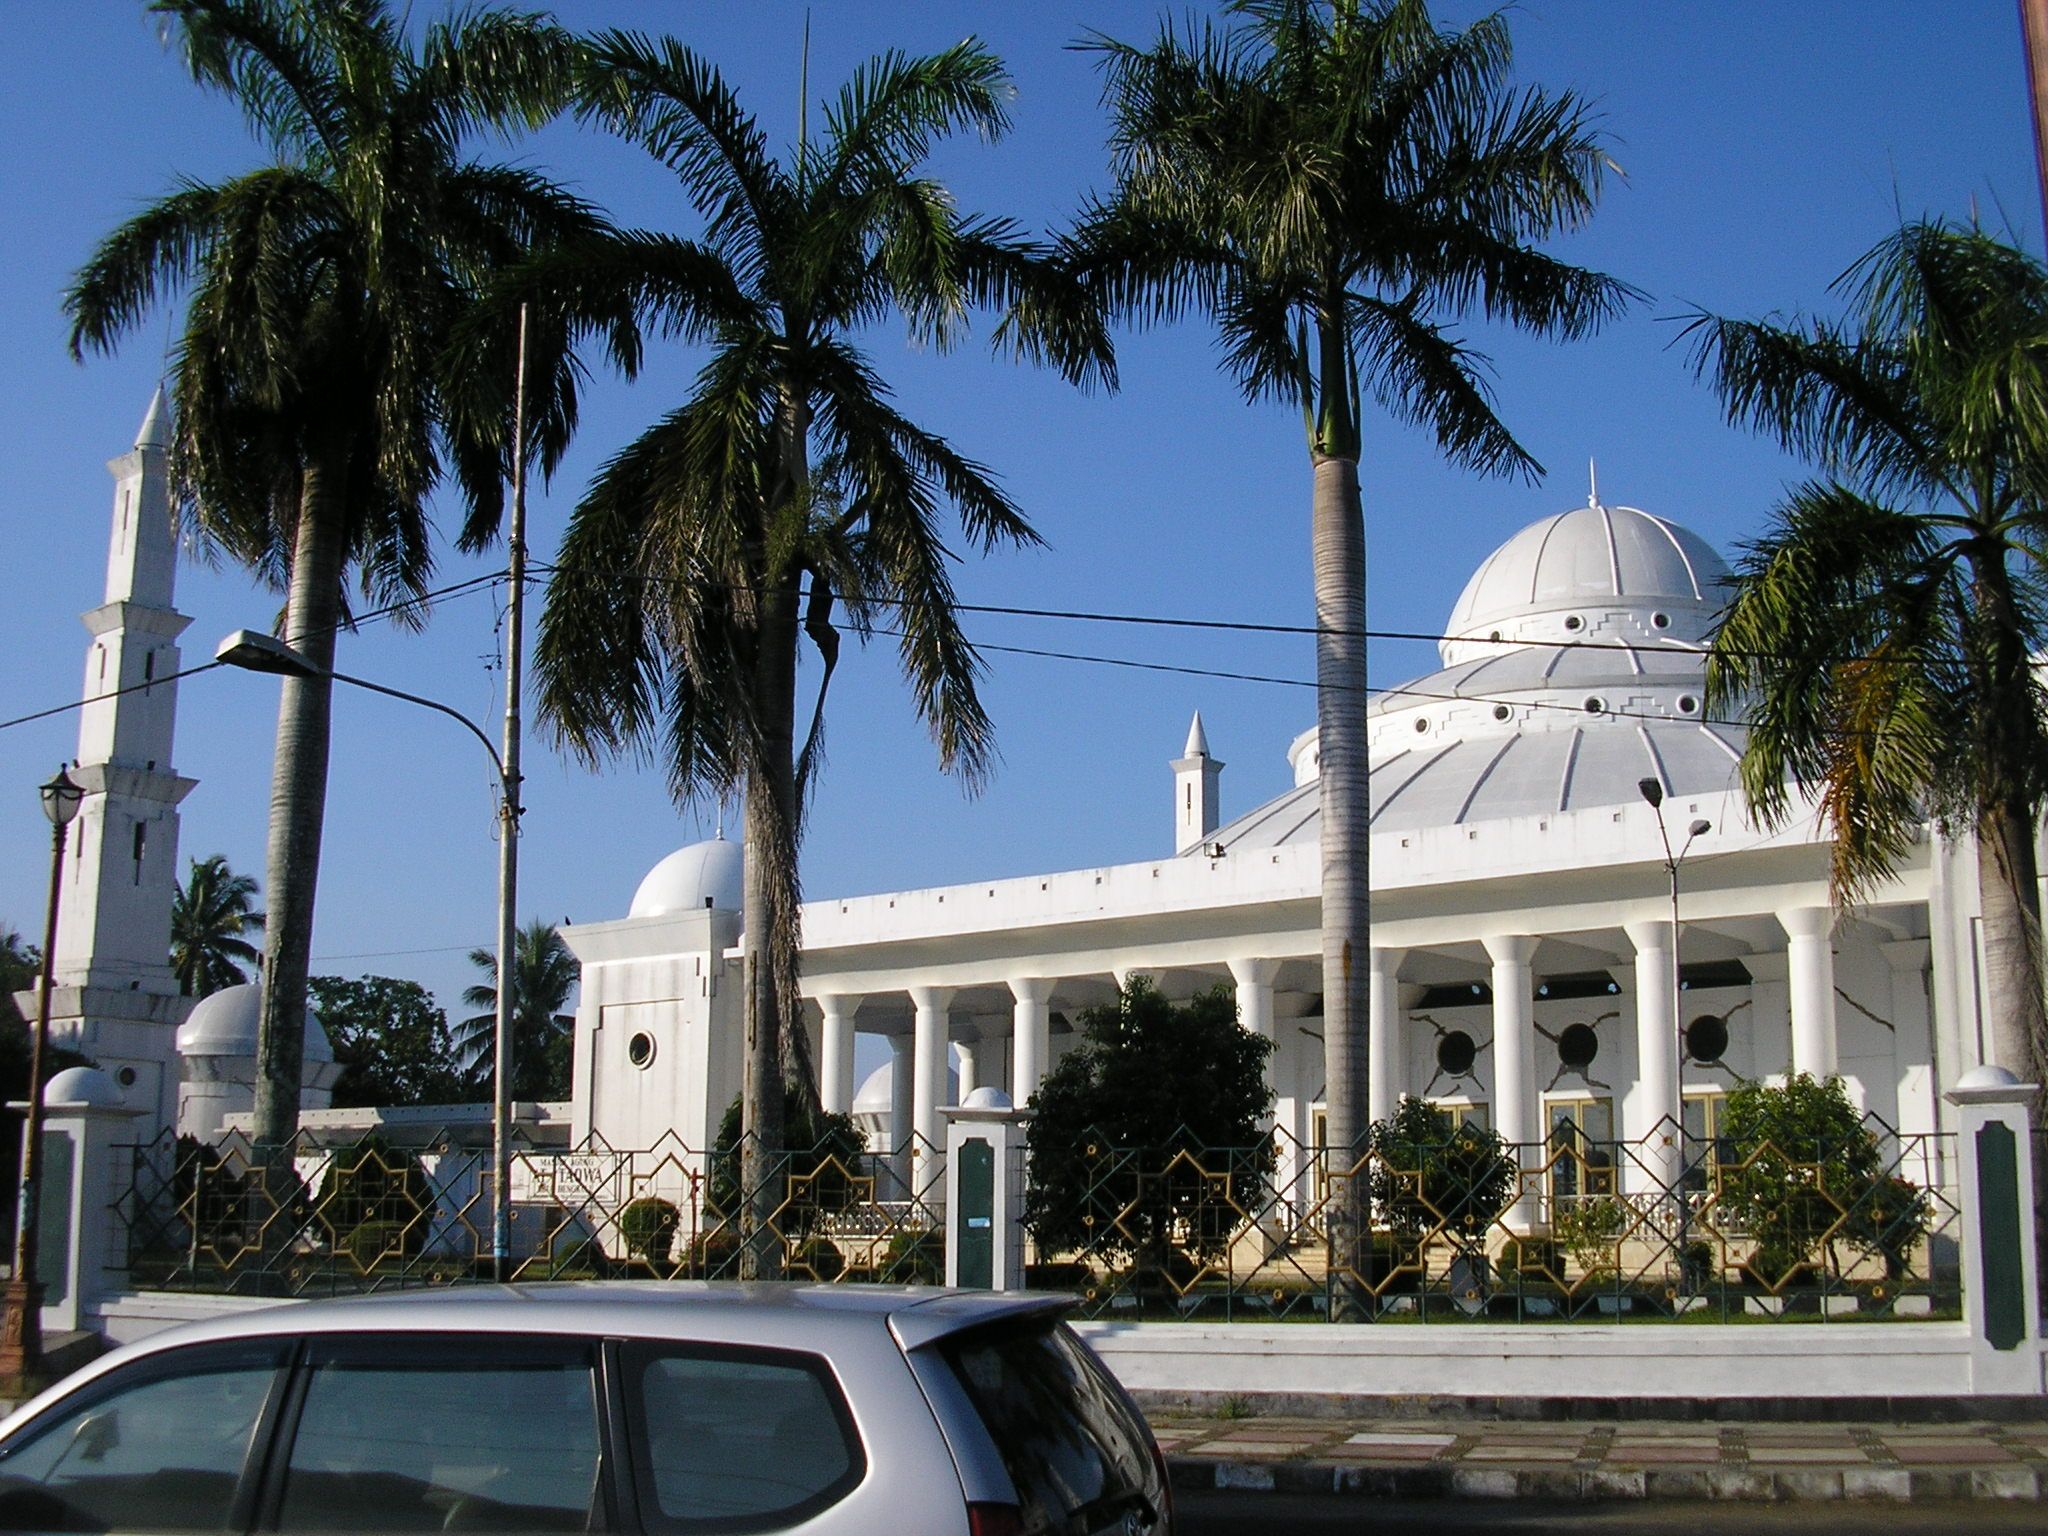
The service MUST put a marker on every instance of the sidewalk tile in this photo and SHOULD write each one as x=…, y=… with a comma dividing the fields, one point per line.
x=1498, y=1452
x=1382, y=1437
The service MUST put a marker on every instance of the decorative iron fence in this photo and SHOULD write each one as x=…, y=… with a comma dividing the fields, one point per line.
x=1671, y=1228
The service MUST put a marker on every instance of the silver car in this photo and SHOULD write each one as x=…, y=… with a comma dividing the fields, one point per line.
x=684, y=1407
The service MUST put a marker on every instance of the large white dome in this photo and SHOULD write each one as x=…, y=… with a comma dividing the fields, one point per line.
x=1591, y=558
x=693, y=877
x=223, y=1023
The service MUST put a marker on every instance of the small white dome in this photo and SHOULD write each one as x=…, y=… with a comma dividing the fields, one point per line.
x=82, y=1088
x=877, y=1095
x=988, y=1098
x=224, y=1024
x=1598, y=557
x=694, y=876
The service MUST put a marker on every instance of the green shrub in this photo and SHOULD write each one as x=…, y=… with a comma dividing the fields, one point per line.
x=1590, y=1230
x=820, y=1157
x=816, y=1258
x=914, y=1257
x=1427, y=1173
x=1531, y=1256
x=647, y=1227
x=381, y=1242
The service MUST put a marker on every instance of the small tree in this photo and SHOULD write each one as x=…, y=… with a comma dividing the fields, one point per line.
x=1428, y=1173
x=1803, y=1173
x=391, y=1040
x=376, y=1200
x=821, y=1155
x=1151, y=1080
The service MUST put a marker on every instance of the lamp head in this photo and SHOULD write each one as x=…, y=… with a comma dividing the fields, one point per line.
x=61, y=797
x=1651, y=790
x=1699, y=828
x=254, y=651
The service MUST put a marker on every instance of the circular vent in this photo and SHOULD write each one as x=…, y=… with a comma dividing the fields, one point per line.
x=1706, y=1038
x=640, y=1050
x=1577, y=1046
x=1455, y=1053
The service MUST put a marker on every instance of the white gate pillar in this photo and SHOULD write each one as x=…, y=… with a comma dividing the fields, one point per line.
x=2000, y=1300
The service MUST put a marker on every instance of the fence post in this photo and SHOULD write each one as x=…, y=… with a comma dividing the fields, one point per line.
x=82, y=1256
x=985, y=1192
x=1997, y=1189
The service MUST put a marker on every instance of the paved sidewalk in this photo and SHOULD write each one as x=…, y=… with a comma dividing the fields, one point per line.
x=1420, y=1458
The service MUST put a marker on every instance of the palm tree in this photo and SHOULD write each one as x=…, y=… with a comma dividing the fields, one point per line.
x=311, y=423
x=1331, y=183
x=787, y=495
x=209, y=914
x=1882, y=629
x=544, y=973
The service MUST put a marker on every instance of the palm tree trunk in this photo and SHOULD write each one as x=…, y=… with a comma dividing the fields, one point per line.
x=298, y=795
x=1339, y=554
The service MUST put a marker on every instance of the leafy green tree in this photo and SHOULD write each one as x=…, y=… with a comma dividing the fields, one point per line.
x=1332, y=184
x=209, y=914
x=1882, y=631
x=1802, y=1174
x=1149, y=1081
x=311, y=420
x=1429, y=1175
x=822, y=1153
x=786, y=497
x=544, y=973
x=391, y=1040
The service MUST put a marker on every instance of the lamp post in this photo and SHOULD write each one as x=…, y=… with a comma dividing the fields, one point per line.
x=1652, y=791
x=254, y=651
x=21, y=1325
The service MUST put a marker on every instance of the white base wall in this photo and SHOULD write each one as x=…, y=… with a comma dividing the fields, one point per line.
x=1525, y=1360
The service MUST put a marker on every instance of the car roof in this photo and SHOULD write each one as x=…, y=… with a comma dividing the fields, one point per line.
x=766, y=1312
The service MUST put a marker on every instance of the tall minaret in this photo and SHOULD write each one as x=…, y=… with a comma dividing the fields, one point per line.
x=118, y=1000
x=1195, y=772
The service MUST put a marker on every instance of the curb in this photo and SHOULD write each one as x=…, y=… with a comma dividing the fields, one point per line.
x=1895, y=1485
x=2005, y=1409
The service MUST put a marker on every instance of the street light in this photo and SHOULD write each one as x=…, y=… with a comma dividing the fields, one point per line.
x=253, y=651
x=1652, y=791
x=21, y=1325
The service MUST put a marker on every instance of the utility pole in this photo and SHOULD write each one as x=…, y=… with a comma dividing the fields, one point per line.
x=508, y=842
x=2034, y=30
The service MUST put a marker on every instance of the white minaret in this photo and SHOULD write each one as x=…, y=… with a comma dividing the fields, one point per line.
x=1195, y=774
x=117, y=1000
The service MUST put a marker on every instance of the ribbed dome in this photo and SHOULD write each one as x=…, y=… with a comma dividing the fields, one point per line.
x=1576, y=668
x=696, y=875
x=224, y=1024
x=1583, y=564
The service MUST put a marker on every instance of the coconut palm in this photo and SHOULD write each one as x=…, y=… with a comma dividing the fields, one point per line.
x=1332, y=185
x=209, y=914
x=311, y=424
x=544, y=973
x=787, y=495
x=1882, y=627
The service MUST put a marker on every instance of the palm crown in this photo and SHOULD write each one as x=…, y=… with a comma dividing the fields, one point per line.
x=210, y=913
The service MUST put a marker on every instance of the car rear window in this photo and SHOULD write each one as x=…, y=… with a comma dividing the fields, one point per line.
x=734, y=1439
x=1080, y=1459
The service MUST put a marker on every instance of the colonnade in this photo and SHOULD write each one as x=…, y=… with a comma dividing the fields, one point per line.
x=1652, y=1100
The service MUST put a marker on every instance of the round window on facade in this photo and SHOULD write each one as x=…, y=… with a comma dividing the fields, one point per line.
x=640, y=1050
x=1421, y=726
x=1596, y=706
x=1501, y=711
x=1706, y=1038
x=1455, y=1053
x=1660, y=621
x=1574, y=623
x=1688, y=705
x=1494, y=636
x=126, y=1077
x=1577, y=1047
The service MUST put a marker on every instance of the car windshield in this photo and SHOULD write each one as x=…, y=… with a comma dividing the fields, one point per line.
x=1077, y=1454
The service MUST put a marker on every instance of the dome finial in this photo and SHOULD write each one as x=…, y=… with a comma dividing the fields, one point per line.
x=1592, y=484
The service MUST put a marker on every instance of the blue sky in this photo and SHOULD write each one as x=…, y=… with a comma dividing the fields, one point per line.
x=1765, y=147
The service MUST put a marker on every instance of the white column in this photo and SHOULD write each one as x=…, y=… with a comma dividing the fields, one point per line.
x=902, y=1097
x=835, y=1052
x=1810, y=962
x=1031, y=1026
x=1650, y=1116
x=970, y=1066
x=928, y=1080
x=1254, y=981
x=1514, y=1056
x=1389, y=1067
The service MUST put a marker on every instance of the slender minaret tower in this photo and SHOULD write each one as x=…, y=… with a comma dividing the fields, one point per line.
x=117, y=1000
x=1195, y=774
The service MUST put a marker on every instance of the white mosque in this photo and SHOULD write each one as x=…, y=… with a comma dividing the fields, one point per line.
x=1522, y=970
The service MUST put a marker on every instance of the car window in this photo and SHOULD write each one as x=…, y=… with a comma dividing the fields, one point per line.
x=159, y=1446
x=421, y=1435
x=1078, y=1457
x=732, y=1439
